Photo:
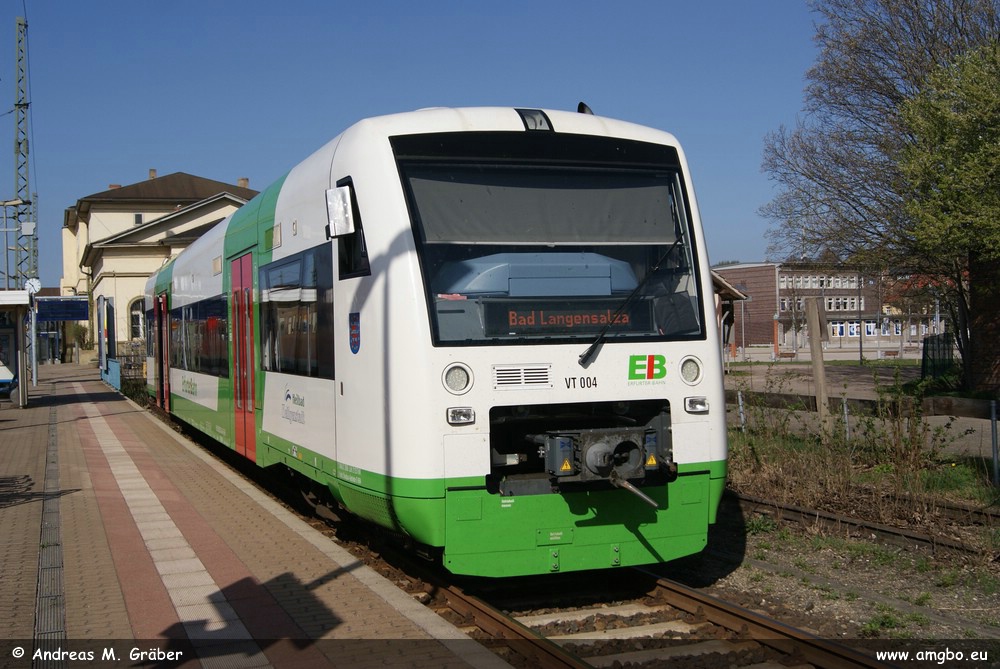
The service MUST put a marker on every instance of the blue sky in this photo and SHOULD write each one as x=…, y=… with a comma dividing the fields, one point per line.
x=247, y=89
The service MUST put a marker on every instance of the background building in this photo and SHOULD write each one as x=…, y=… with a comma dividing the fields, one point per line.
x=114, y=240
x=753, y=317
x=865, y=314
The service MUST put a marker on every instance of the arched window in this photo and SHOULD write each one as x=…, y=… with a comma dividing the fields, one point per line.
x=137, y=319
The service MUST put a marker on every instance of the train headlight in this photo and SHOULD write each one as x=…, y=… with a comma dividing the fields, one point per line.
x=461, y=415
x=691, y=370
x=457, y=379
x=696, y=404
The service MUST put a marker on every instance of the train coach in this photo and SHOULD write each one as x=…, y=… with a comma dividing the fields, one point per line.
x=491, y=331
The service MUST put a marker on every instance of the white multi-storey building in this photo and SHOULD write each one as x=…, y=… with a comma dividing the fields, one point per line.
x=114, y=240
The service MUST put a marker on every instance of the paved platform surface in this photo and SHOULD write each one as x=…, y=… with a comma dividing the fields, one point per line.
x=121, y=542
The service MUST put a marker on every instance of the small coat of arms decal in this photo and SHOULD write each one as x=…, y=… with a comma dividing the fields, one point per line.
x=354, y=322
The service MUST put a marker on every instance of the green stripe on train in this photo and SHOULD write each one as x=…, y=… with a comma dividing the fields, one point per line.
x=488, y=534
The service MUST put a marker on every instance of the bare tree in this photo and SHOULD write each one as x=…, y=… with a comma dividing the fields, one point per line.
x=840, y=186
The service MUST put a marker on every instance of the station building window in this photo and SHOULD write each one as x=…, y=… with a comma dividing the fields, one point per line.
x=137, y=319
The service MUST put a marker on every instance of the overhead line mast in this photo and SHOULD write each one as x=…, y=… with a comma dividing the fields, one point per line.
x=27, y=246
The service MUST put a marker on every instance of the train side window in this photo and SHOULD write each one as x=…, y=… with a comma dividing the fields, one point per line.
x=296, y=314
x=198, y=337
x=352, y=250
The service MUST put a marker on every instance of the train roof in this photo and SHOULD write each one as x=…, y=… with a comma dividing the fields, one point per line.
x=445, y=120
x=513, y=119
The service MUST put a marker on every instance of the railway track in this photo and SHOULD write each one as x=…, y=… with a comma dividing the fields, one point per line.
x=791, y=641
x=965, y=515
x=608, y=620
x=672, y=624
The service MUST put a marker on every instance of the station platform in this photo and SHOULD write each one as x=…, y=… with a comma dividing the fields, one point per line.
x=124, y=544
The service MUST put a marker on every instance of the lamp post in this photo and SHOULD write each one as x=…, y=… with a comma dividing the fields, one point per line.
x=861, y=324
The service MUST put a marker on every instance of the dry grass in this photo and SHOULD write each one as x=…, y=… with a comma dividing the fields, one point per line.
x=884, y=467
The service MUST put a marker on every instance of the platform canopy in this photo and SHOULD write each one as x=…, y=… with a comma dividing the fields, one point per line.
x=13, y=298
x=16, y=301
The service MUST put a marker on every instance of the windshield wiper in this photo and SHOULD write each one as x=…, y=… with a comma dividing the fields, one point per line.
x=626, y=303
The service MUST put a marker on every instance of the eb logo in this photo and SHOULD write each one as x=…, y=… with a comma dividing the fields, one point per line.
x=646, y=367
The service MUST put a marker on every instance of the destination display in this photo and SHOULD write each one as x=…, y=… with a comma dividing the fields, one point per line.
x=505, y=318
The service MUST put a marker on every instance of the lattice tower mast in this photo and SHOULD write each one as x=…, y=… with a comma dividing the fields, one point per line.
x=27, y=244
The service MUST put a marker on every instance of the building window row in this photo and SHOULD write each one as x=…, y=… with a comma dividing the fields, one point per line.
x=831, y=304
x=806, y=282
x=889, y=328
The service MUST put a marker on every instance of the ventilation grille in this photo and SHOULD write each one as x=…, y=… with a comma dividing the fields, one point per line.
x=375, y=508
x=509, y=377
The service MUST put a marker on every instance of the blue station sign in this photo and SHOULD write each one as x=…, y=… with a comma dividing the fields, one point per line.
x=55, y=309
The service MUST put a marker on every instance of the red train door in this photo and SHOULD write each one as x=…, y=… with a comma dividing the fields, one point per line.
x=161, y=318
x=243, y=357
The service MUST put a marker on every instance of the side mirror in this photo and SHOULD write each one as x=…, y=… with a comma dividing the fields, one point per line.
x=339, y=212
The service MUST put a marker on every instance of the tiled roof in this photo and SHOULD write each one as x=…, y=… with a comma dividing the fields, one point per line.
x=179, y=188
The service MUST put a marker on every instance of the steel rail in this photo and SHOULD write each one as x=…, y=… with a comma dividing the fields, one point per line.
x=790, y=640
x=895, y=535
x=540, y=651
x=962, y=512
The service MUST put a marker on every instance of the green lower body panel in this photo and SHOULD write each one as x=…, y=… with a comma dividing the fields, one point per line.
x=215, y=424
x=488, y=535
x=417, y=517
x=484, y=534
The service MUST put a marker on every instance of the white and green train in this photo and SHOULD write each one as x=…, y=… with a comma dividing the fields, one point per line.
x=490, y=330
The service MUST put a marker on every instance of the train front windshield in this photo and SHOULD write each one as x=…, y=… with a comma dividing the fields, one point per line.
x=528, y=236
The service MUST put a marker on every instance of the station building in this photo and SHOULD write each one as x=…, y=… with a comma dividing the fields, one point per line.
x=112, y=241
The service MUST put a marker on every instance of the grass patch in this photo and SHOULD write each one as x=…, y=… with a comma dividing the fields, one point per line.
x=876, y=554
x=889, y=622
x=803, y=565
x=988, y=582
x=948, y=578
x=885, y=619
x=761, y=524
x=882, y=467
x=966, y=478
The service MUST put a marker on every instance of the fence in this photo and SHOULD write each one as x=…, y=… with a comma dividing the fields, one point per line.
x=126, y=369
x=952, y=407
x=131, y=358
